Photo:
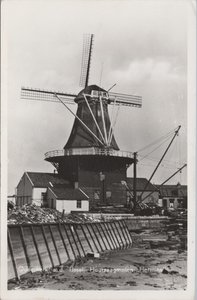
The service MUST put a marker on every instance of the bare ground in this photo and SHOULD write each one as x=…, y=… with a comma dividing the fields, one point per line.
x=147, y=265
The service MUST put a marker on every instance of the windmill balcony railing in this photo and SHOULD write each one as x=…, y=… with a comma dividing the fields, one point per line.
x=88, y=151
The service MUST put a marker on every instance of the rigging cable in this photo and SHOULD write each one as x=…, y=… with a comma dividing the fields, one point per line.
x=155, y=148
x=158, y=140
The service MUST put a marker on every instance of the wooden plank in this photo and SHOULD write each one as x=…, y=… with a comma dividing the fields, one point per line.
x=92, y=238
x=114, y=236
x=105, y=234
x=54, y=243
x=47, y=245
x=123, y=233
x=59, y=243
x=63, y=241
x=11, y=273
x=82, y=239
x=18, y=251
x=51, y=245
x=120, y=234
x=99, y=229
x=96, y=237
x=42, y=248
x=70, y=228
x=70, y=242
x=12, y=256
x=31, y=249
x=86, y=238
x=127, y=232
x=110, y=235
x=36, y=246
x=25, y=248
x=75, y=229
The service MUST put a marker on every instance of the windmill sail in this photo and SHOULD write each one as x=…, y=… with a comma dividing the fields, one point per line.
x=124, y=99
x=86, y=59
x=44, y=95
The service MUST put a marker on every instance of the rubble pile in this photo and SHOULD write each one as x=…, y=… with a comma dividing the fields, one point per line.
x=35, y=214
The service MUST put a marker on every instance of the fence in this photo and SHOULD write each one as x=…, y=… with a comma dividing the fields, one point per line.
x=37, y=247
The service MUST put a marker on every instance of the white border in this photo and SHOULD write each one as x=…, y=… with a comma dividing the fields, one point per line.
x=44, y=294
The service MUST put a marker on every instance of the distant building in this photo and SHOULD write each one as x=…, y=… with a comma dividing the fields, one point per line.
x=140, y=185
x=50, y=190
x=173, y=196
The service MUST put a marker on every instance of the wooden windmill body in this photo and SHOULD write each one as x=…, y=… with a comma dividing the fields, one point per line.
x=91, y=158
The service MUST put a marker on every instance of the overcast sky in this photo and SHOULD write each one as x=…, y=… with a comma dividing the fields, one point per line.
x=139, y=45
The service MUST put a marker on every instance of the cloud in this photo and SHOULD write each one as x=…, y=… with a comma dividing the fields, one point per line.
x=143, y=48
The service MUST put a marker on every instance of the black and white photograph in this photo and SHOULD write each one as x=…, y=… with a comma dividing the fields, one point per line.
x=98, y=149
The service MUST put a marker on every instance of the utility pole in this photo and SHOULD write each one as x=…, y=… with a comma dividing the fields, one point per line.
x=135, y=178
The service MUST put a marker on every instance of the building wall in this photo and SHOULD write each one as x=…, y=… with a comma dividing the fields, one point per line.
x=172, y=202
x=67, y=205
x=71, y=205
x=37, y=197
x=24, y=191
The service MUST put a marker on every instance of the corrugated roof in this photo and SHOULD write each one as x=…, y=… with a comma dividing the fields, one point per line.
x=140, y=184
x=43, y=179
x=62, y=192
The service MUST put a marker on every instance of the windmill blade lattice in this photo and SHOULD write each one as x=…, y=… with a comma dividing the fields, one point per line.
x=86, y=59
x=45, y=95
x=124, y=99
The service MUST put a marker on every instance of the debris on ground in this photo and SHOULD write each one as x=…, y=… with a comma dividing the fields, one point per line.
x=31, y=213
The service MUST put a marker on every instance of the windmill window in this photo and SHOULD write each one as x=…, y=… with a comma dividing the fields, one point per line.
x=78, y=203
x=94, y=93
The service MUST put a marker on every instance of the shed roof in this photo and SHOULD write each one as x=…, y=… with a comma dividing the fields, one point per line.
x=140, y=184
x=63, y=192
x=39, y=179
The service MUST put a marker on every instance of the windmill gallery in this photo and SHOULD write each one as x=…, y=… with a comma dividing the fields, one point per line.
x=90, y=179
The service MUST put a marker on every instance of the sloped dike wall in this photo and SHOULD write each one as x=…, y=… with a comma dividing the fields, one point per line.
x=37, y=247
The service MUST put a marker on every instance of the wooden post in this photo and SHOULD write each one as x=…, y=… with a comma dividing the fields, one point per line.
x=12, y=257
x=79, y=240
x=122, y=230
x=105, y=236
x=71, y=246
x=119, y=234
x=110, y=236
x=25, y=248
x=135, y=178
x=69, y=225
x=92, y=237
x=119, y=245
x=36, y=246
x=92, y=226
x=55, y=245
x=127, y=232
x=97, y=226
x=86, y=237
x=63, y=241
x=48, y=249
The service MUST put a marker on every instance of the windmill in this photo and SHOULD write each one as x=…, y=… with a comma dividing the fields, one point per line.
x=91, y=157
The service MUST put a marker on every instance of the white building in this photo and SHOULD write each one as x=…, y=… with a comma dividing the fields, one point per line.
x=50, y=190
x=67, y=199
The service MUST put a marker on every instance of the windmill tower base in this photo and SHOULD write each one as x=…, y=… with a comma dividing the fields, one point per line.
x=99, y=176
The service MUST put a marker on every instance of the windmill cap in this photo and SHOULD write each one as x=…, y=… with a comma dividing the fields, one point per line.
x=88, y=91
